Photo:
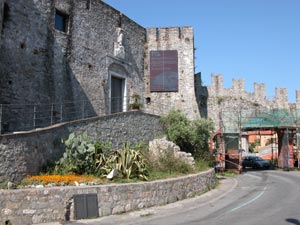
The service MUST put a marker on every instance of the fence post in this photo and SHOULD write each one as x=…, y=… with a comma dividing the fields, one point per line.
x=51, y=117
x=61, y=112
x=83, y=109
x=34, y=115
x=0, y=119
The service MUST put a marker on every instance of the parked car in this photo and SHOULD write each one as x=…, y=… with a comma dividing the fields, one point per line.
x=255, y=162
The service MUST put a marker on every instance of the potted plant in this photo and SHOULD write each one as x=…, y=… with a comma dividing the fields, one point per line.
x=135, y=102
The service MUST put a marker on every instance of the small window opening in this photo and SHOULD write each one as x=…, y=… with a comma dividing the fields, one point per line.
x=148, y=100
x=5, y=12
x=180, y=32
x=120, y=20
x=61, y=21
x=88, y=4
x=5, y=15
x=22, y=45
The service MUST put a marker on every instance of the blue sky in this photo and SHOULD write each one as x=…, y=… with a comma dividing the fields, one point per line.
x=254, y=40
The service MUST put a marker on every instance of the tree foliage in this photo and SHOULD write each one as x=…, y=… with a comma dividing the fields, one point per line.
x=190, y=136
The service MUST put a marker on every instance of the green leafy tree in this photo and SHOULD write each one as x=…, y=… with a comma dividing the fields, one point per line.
x=201, y=131
x=177, y=128
x=190, y=136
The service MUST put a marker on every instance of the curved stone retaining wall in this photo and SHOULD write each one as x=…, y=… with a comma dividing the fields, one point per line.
x=31, y=206
x=25, y=153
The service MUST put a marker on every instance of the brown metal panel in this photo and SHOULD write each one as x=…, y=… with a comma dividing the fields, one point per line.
x=164, y=71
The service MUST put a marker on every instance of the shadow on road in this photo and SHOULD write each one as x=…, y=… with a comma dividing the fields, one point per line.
x=293, y=221
x=245, y=170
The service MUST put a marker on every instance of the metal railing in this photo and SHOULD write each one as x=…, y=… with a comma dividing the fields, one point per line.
x=24, y=117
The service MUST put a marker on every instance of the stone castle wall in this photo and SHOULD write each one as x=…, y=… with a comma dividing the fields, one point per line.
x=232, y=102
x=238, y=90
x=40, y=64
x=182, y=40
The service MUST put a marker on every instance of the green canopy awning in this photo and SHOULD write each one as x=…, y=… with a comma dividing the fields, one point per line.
x=276, y=118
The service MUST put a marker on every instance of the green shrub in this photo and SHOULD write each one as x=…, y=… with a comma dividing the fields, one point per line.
x=84, y=156
x=81, y=155
x=200, y=133
x=190, y=136
x=167, y=163
x=177, y=128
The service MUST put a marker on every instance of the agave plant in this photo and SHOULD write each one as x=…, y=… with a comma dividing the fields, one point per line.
x=129, y=162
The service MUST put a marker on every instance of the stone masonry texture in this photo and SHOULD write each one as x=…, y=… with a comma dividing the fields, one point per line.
x=235, y=104
x=182, y=40
x=42, y=65
x=26, y=153
x=31, y=206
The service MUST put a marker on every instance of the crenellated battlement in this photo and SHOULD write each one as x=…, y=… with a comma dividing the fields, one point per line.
x=238, y=85
x=168, y=33
x=217, y=83
x=259, y=90
x=259, y=95
x=281, y=93
x=298, y=99
x=226, y=106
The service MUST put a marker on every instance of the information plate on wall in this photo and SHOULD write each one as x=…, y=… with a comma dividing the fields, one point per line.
x=164, y=71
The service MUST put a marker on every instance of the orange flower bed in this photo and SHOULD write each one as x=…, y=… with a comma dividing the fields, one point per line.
x=58, y=179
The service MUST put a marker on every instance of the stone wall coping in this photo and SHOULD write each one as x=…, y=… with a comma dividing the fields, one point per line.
x=74, y=122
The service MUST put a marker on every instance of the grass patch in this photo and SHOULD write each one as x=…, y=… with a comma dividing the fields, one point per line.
x=229, y=173
x=157, y=175
x=202, y=165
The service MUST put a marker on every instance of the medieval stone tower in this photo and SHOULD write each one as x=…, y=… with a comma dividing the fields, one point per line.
x=169, y=71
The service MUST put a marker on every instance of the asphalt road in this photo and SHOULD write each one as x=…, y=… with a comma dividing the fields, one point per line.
x=253, y=198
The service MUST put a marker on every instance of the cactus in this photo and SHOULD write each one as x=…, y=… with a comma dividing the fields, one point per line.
x=83, y=156
x=80, y=155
